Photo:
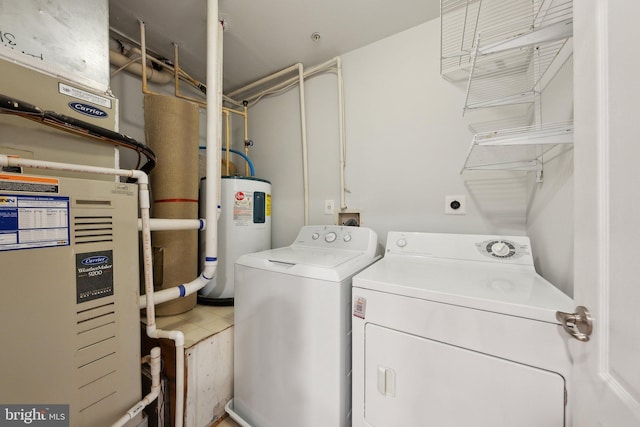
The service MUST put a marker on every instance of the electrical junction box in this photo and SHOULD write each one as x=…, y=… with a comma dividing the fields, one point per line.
x=69, y=308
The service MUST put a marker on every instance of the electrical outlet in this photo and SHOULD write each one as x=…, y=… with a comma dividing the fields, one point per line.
x=329, y=207
x=455, y=205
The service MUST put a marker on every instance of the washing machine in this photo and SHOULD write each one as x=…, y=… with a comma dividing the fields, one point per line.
x=458, y=330
x=292, y=329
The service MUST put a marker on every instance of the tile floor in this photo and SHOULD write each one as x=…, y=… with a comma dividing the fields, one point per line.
x=226, y=422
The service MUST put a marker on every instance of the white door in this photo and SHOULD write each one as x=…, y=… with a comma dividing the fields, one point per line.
x=607, y=211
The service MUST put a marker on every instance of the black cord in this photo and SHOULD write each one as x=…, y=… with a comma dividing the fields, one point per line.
x=69, y=124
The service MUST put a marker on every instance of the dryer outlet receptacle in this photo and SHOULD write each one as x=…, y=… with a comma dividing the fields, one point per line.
x=455, y=205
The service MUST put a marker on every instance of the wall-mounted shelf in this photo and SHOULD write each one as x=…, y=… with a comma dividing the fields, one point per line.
x=472, y=28
x=516, y=149
x=507, y=51
x=510, y=77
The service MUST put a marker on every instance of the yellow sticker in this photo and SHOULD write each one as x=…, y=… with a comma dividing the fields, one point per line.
x=268, y=205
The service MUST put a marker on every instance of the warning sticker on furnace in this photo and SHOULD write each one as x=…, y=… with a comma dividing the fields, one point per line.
x=28, y=183
x=94, y=275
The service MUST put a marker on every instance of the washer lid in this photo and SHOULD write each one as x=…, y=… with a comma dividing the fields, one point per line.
x=317, y=257
x=514, y=290
x=312, y=262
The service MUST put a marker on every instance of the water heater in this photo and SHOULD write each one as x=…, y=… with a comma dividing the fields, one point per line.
x=244, y=227
x=69, y=310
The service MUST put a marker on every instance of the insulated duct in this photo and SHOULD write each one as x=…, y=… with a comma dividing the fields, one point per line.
x=132, y=64
x=171, y=128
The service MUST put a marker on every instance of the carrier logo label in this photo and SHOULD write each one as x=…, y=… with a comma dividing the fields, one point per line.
x=95, y=260
x=87, y=110
x=94, y=275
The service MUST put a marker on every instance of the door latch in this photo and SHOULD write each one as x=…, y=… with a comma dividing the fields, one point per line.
x=579, y=324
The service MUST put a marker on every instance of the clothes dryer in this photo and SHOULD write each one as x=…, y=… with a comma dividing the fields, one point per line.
x=292, y=329
x=458, y=330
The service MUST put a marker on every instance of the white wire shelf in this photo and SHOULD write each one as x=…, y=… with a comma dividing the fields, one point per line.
x=503, y=24
x=513, y=76
x=517, y=149
x=512, y=118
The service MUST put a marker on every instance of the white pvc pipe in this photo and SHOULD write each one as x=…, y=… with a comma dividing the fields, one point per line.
x=144, y=202
x=303, y=125
x=343, y=203
x=264, y=80
x=213, y=145
x=213, y=142
x=214, y=113
x=310, y=71
x=134, y=66
x=154, y=363
x=162, y=224
x=143, y=191
x=6, y=160
x=325, y=65
x=303, y=130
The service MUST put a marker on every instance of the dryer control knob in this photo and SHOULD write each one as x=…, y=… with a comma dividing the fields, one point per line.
x=315, y=236
x=401, y=243
x=500, y=249
x=330, y=237
x=347, y=237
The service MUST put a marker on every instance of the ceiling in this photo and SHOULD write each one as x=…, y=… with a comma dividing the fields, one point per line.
x=262, y=36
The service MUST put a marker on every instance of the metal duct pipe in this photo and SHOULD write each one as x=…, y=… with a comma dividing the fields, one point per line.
x=134, y=66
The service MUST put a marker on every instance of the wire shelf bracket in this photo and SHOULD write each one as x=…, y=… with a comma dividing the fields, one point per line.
x=517, y=149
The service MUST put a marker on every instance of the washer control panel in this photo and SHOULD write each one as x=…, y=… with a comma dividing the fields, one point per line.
x=337, y=237
x=471, y=247
x=331, y=236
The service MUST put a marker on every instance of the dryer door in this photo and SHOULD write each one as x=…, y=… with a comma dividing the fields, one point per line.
x=413, y=381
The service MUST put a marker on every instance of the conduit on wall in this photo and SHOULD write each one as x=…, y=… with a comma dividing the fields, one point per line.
x=214, y=144
x=131, y=64
x=255, y=91
x=136, y=62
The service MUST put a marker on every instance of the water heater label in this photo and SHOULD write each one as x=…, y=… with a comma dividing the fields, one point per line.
x=243, y=208
x=268, y=207
x=29, y=222
x=94, y=275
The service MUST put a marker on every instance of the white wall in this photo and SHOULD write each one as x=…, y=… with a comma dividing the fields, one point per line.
x=550, y=212
x=406, y=142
